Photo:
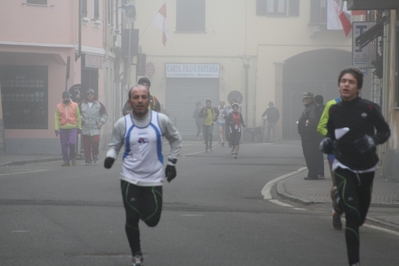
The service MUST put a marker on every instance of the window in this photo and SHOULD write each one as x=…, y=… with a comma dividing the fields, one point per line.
x=96, y=9
x=111, y=8
x=190, y=15
x=318, y=12
x=277, y=7
x=24, y=97
x=37, y=2
x=83, y=9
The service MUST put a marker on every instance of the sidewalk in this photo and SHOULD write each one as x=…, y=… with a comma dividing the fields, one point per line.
x=24, y=159
x=385, y=194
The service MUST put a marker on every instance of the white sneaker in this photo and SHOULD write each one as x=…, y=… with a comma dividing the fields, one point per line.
x=137, y=260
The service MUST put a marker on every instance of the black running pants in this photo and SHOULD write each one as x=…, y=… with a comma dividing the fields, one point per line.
x=355, y=197
x=143, y=203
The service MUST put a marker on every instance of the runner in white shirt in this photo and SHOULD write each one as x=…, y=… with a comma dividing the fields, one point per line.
x=142, y=175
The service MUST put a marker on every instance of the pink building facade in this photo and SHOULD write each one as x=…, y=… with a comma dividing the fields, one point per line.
x=38, y=38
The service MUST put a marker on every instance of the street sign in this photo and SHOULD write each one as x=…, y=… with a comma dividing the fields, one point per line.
x=363, y=57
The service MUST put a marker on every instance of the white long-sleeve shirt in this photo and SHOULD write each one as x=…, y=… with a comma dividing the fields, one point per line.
x=142, y=159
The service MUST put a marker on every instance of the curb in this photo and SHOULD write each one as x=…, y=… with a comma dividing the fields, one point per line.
x=282, y=193
x=31, y=161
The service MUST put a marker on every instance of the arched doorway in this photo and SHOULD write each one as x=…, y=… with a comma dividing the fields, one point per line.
x=315, y=71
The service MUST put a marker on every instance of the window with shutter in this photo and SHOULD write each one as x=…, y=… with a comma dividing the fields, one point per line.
x=190, y=15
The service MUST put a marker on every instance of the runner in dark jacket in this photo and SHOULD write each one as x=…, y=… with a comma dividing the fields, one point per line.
x=351, y=134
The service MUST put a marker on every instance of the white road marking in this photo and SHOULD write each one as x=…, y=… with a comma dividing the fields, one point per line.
x=266, y=189
x=300, y=209
x=382, y=229
x=26, y=172
x=192, y=215
x=280, y=203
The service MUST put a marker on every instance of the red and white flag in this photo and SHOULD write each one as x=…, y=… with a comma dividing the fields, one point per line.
x=160, y=22
x=337, y=18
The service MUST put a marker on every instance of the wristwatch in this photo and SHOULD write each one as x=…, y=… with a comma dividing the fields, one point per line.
x=174, y=161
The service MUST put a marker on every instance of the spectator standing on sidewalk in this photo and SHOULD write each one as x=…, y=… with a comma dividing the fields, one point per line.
x=355, y=128
x=209, y=114
x=322, y=129
x=307, y=129
x=67, y=123
x=235, y=121
x=94, y=115
x=272, y=116
x=142, y=175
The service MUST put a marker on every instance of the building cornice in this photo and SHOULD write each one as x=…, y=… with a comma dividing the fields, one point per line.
x=38, y=44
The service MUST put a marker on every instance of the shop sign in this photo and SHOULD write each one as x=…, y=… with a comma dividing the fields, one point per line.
x=192, y=70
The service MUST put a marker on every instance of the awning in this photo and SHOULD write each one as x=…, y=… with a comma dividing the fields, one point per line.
x=369, y=35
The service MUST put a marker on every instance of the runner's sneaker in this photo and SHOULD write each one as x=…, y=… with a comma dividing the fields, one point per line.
x=335, y=200
x=336, y=221
x=65, y=164
x=74, y=162
x=137, y=260
x=95, y=159
x=88, y=163
x=320, y=177
x=235, y=156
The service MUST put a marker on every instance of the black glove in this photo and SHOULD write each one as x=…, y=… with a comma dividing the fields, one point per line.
x=326, y=146
x=108, y=162
x=365, y=143
x=170, y=172
x=56, y=132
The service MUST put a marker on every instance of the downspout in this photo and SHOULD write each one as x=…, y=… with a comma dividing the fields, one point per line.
x=77, y=56
x=385, y=94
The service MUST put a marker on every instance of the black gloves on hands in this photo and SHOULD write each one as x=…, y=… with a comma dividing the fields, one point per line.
x=366, y=143
x=170, y=172
x=108, y=162
x=326, y=146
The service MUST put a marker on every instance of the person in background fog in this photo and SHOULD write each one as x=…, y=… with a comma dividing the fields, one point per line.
x=154, y=103
x=272, y=115
x=221, y=121
x=198, y=120
x=210, y=114
x=228, y=110
x=307, y=129
x=67, y=123
x=319, y=100
x=235, y=121
x=94, y=115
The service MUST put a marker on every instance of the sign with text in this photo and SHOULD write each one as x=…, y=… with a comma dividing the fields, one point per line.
x=192, y=70
x=363, y=57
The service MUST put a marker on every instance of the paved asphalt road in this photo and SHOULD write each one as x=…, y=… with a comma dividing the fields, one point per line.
x=214, y=214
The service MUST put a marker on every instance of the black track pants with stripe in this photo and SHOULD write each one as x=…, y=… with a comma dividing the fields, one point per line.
x=355, y=197
x=143, y=203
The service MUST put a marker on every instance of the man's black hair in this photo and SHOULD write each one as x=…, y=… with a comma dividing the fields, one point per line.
x=144, y=80
x=319, y=99
x=357, y=73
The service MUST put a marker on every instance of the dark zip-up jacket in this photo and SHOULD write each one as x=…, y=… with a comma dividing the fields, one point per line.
x=361, y=117
x=308, y=130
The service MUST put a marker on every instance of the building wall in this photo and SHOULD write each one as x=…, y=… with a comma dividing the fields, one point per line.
x=47, y=35
x=235, y=36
